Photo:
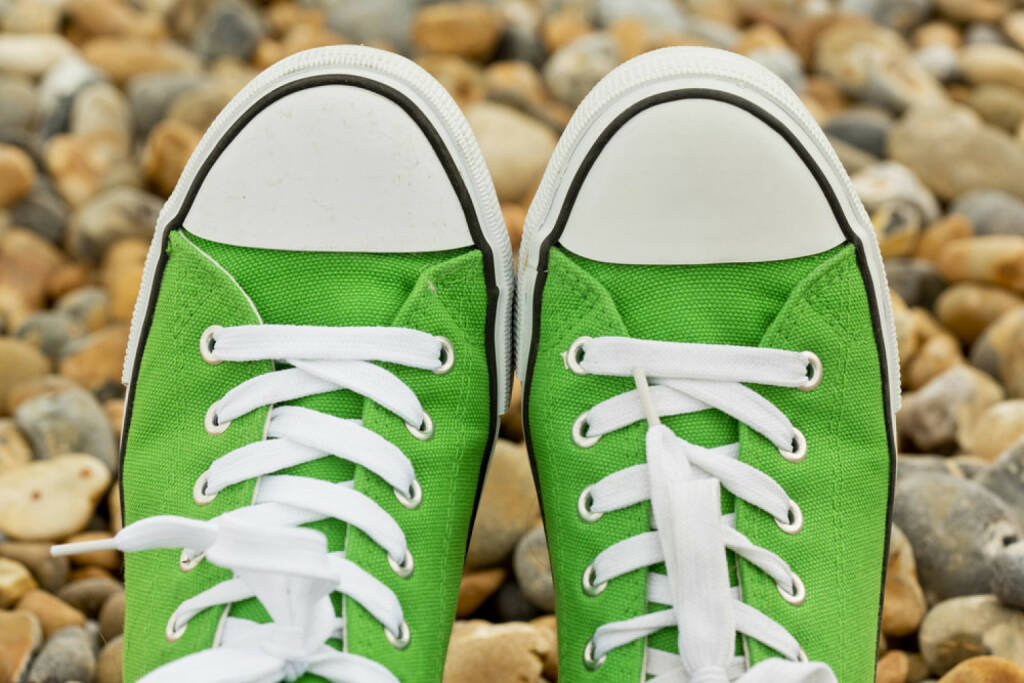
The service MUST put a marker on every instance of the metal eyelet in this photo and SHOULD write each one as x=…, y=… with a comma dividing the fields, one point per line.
x=213, y=424
x=796, y=519
x=199, y=493
x=588, y=582
x=814, y=370
x=414, y=497
x=799, y=451
x=575, y=354
x=583, y=506
x=187, y=561
x=799, y=593
x=403, y=569
x=589, y=662
x=425, y=430
x=447, y=356
x=578, y=433
x=206, y=344
x=400, y=641
x=172, y=631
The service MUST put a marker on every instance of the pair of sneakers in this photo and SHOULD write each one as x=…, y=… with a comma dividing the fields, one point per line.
x=324, y=342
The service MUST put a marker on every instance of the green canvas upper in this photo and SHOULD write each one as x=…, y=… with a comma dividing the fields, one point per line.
x=815, y=303
x=167, y=446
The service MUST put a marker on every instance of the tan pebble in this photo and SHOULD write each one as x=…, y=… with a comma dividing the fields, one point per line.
x=108, y=666
x=54, y=614
x=51, y=499
x=114, y=508
x=512, y=652
x=167, y=150
x=508, y=507
x=993, y=259
x=994, y=430
x=105, y=559
x=95, y=362
x=89, y=593
x=937, y=33
x=515, y=146
x=15, y=581
x=939, y=233
x=82, y=573
x=112, y=616
x=564, y=26
x=67, y=277
x=83, y=165
x=20, y=636
x=904, y=604
x=548, y=629
x=282, y=16
x=917, y=671
x=985, y=669
x=36, y=386
x=17, y=174
x=893, y=667
x=1013, y=27
x=966, y=309
x=476, y=587
x=33, y=54
x=462, y=79
x=973, y=10
x=897, y=227
x=297, y=38
x=516, y=81
x=49, y=572
x=993, y=63
x=92, y=18
x=631, y=35
x=467, y=29
x=512, y=420
x=515, y=217
x=930, y=417
x=14, y=449
x=123, y=265
x=1000, y=351
x=123, y=58
x=19, y=361
x=26, y=262
x=936, y=355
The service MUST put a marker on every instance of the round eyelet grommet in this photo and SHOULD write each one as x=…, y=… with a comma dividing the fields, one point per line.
x=214, y=425
x=814, y=370
x=589, y=662
x=579, y=436
x=588, y=582
x=400, y=641
x=172, y=630
x=799, y=451
x=574, y=355
x=188, y=561
x=403, y=568
x=447, y=356
x=425, y=430
x=799, y=591
x=206, y=344
x=413, y=498
x=796, y=519
x=199, y=493
x=583, y=506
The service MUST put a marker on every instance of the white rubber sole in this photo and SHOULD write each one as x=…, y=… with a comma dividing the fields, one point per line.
x=683, y=68
x=440, y=110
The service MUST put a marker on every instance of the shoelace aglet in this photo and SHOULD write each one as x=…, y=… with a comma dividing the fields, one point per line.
x=644, y=390
x=65, y=549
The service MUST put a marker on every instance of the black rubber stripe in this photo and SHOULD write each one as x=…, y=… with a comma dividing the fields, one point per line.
x=833, y=202
x=454, y=176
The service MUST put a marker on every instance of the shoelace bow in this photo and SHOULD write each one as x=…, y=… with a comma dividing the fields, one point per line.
x=286, y=567
x=683, y=482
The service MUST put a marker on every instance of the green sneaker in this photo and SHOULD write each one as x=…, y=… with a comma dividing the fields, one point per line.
x=319, y=356
x=710, y=377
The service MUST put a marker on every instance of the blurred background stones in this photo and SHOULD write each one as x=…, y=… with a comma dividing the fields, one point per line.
x=103, y=101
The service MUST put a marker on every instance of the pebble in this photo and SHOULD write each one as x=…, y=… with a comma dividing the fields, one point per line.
x=67, y=656
x=32, y=54
x=784, y=63
x=532, y=567
x=17, y=174
x=50, y=331
x=167, y=150
x=973, y=10
x=890, y=182
x=105, y=559
x=987, y=63
x=548, y=629
x=42, y=211
x=88, y=305
x=111, y=215
x=515, y=147
x=969, y=626
x=941, y=61
x=20, y=637
x=1000, y=351
x=111, y=616
x=994, y=259
x=919, y=282
x=985, y=670
x=384, y=20
x=953, y=151
x=88, y=595
x=228, y=28
x=955, y=526
x=863, y=127
x=92, y=18
x=992, y=212
x=994, y=430
x=15, y=581
x=509, y=604
x=19, y=360
x=66, y=277
x=893, y=667
x=937, y=32
x=1005, y=478
x=1000, y=105
x=466, y=29
x=904, y=605
x=50, y=572
x=101, y=109
x=67, y=420
x=17, y=102
x=498, y=653
x=1008, y=575
x=575, y=69
x=935, y=236
x=563, y=26
x=508, y=507
x=151, y=95
x=14, y=449
x=123, y=266
x=476, y=587
x=54, y=614
x=123, y=58
x=95, y=361
x=51, y=499
x=966, y=309
x=109, y=664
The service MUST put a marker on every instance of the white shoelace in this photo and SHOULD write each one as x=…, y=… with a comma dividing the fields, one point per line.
x=287, y=567
x=683, y=483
